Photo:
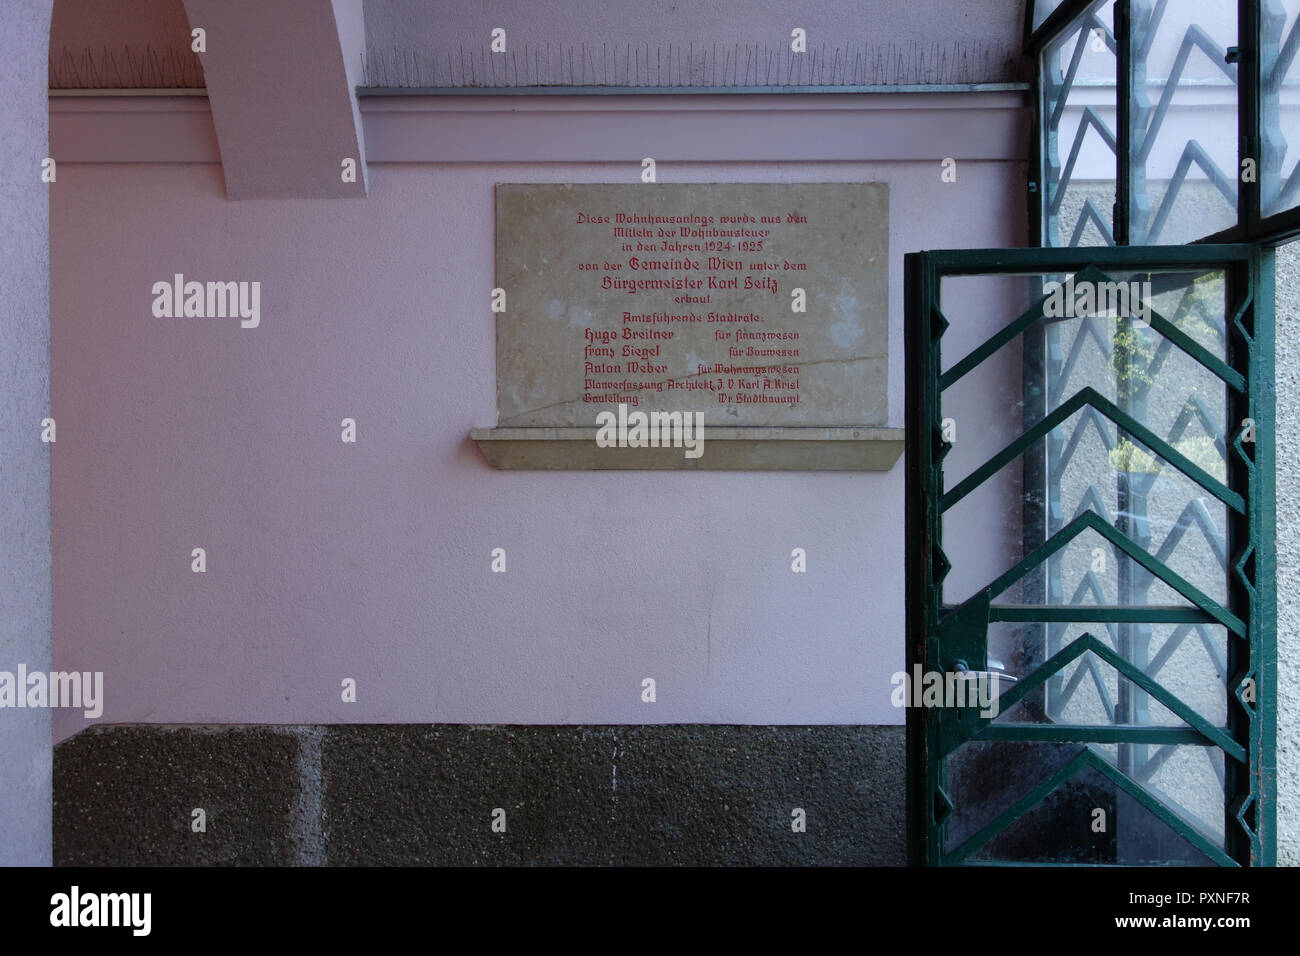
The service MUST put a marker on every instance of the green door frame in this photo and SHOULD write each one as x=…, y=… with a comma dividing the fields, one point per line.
x=1249, y=738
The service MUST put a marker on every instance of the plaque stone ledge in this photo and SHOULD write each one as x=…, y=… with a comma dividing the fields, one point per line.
x=731, y=448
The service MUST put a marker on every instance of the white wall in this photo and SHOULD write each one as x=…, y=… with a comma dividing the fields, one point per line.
x=24, y=402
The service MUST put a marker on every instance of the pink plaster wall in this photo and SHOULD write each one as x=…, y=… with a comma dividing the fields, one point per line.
x=371, y=561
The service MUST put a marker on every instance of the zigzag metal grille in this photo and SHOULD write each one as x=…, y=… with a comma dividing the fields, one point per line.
x=1133, y=640
x=1199, y=327
x=1056, y=95
x=1147, y=123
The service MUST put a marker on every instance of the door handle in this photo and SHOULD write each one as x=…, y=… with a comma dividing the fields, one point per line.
x=996, y=670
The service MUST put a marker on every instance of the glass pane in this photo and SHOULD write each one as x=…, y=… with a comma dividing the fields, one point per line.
x=1188, y=660
x=1043, y=9
x=1185, y=172
x=1087, y=462
x=1168, y=516
x=987, y=778
x=1078, y=72
x=1280, y=105
x=1128, y=835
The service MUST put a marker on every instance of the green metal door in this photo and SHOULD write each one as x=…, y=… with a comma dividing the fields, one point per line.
x=1091, y=563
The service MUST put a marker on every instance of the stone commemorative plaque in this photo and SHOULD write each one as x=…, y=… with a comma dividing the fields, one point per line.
x=685, y=297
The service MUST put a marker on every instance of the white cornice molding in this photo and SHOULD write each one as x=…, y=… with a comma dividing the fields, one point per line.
x=789, y=127
x=988, y=125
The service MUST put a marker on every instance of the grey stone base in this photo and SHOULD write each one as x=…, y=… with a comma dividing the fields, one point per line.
x=421, y=794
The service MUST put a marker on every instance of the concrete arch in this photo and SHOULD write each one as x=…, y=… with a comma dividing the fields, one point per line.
x=280, y=81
